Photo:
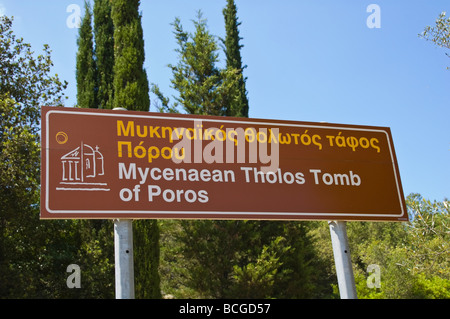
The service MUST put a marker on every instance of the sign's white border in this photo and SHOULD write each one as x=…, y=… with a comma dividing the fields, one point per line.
x=215, y=213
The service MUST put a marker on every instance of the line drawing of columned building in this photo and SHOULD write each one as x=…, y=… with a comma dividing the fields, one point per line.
x=82, y=163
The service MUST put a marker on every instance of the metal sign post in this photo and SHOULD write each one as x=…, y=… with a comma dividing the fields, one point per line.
x=123, y=251
x=123, y=254
x=341, y=250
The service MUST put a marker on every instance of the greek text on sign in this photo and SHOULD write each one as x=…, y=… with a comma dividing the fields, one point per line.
x=136, y=165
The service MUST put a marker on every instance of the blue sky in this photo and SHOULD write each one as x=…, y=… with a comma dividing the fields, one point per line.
x=307, y=61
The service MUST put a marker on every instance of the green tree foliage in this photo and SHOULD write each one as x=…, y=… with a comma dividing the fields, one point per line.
x=428, y=255
x=120, y=81
x=227, y=259
x=130, y=78
x=146, y=259
x=221, y=259
x=131, y=91
x=26, y=83
x=34, y=254
x=241, y=259
x=440, y=33
x=203, y=88
x=86, y=68
x=282, y=264
x=94, y=239
x=413, y=257
x=104, y=52
x=237, y=101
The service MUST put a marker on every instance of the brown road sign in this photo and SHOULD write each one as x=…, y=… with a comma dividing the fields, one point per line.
x=137, y=165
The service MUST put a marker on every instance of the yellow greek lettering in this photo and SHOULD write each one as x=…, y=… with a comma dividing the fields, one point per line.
x=285, y=140
x=177, y=133
x=250, y=134
x=372, y=141
x=154, y=132
x=176, y=152
x=167, y=129
x=153, y=153
x=120, y=148
x=315, y=142
x=209, y=134
x=199, y=130
x=364, y=142
x=129, y=131
x=296, y=137
x=138, y=131
x=340, y=140
x=330, y=139
x=140, y=151
x=166, y=153
x=222, y=132
x=272, y=137
x=305, y=138
x=232, y=136
x=191, y=133
x=352, y=142
x=262, y=133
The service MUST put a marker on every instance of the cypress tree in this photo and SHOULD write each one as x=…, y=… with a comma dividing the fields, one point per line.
x=131, y=89
x=238, y=103
x=86, y=66
x=104, y=52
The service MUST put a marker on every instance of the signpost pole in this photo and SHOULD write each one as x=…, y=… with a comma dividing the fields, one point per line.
x=123, y=251
x=344, y=271
x=123, y=255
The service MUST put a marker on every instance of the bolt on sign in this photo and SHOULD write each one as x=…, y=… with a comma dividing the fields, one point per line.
x=106, y=164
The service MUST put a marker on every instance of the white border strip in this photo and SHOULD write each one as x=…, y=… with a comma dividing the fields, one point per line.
x=274, y=123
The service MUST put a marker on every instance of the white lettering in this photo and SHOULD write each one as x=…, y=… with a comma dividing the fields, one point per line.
x=179, y=195
x=253, y=175
x=130, y=174
x=349, y=179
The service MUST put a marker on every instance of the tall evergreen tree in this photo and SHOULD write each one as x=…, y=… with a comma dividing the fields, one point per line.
x=130, y=78
x=90, y=85
x=104, y=52
x=86, y=67
x=231, y=259
x=203, y=87
x=238, y=101
x=131, y=91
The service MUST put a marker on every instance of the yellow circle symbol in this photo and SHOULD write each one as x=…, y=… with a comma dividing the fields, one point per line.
x=62, y=138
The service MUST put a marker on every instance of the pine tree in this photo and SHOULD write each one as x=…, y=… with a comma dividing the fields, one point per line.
x=104, y=52
x=238, y=102
x=130, y=78
x=86, y=66
x=202, y=87
x=196, y=75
